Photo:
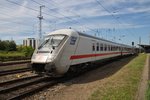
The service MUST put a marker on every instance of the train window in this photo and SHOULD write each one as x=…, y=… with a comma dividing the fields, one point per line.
x=93, y=47
x=101, y=47
x=105, y=48
x=52, y=40
x=111, y=47
x=97, y=48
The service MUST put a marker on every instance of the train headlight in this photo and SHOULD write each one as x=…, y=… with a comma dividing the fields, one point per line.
x=50, y=58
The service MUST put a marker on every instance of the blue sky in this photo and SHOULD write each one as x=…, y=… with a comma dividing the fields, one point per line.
x=120, y=21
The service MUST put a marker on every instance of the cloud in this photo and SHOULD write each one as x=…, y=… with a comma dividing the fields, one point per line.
x=82, y=15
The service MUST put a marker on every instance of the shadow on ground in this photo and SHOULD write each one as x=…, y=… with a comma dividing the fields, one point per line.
x=102, y=71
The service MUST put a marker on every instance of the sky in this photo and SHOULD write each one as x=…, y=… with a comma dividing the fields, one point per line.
x=121, y=21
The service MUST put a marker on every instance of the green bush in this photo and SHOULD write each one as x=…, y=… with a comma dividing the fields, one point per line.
x=22, y=53
x=11, y=55
x=26, y=50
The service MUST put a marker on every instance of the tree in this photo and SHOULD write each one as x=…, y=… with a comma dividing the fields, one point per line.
x=12, y=46
x=7, y=45
x=2, y=47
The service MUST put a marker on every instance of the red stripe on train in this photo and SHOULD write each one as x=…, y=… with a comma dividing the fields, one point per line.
x=93, y=55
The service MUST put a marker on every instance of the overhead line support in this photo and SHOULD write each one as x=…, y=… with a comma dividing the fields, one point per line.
x=40, y=24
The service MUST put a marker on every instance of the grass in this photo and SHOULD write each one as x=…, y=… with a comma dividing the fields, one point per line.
x=122, y=85
x=11, y=55
x=148, y=91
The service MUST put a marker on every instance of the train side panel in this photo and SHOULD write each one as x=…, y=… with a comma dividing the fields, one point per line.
x=83, y=51
x=106, y=51
x=63, y=62
x=89, y=50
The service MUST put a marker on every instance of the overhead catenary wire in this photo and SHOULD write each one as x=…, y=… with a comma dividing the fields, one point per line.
x=31, y=9
x=101, y=5
x=73, y=20
x=59, y=13
x=9, y=21
x=55, y=4
x=51, y=9
x=20, y=23
x=93, y=30
x=5, y=10
x=46, y=13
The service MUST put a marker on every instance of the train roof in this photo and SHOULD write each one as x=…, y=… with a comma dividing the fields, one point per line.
x=69, y=32
x=86, y=35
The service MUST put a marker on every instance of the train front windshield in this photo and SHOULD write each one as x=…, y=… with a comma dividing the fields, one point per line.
x=52, y=41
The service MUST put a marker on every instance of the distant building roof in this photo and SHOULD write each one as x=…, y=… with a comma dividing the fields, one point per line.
x=30, y=38
x=145, y=47
x=30, y=42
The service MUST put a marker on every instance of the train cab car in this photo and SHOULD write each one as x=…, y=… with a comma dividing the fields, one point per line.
x=53, y=54
x=64, y=48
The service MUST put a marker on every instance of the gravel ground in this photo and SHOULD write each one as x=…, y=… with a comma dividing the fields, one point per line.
x=82, y=87
x=15, y=76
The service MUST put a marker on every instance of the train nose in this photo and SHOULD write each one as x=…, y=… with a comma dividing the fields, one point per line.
x=40, y=58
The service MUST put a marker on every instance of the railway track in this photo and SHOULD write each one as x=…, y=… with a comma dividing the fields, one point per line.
x=7, y=72
x=21, y=88
x=16, y=80
x=14, y=62
x=17, y=89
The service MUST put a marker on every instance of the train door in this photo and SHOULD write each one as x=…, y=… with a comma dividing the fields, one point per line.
x=121, y=50
x=93, y=50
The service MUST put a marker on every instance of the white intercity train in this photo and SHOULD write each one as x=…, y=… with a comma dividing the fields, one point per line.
x=65, y=48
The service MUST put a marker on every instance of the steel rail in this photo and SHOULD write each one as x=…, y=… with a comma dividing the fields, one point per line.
x=14, y=71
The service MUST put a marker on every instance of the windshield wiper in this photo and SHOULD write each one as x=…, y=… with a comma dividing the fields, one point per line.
x=45, y=42
x=52, y=42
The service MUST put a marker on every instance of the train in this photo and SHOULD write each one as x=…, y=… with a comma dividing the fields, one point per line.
x=64, y=49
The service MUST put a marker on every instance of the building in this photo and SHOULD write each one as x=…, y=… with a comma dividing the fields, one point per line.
x=30, y=42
